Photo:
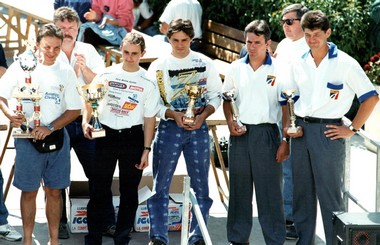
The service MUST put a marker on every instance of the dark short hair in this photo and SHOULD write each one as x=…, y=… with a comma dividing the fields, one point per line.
x=135, y=38
x=49, y=30
x=66, y=13
x=315, y=19
x=296, y=7
x=178, y=25
x=258, y=27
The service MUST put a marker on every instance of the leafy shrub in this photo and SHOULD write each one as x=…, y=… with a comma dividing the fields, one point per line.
x=350, y=19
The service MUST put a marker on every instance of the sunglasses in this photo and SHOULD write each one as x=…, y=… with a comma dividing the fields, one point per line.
x=289, y=22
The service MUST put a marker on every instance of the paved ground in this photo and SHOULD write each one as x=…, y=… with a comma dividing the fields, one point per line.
x=362, y=177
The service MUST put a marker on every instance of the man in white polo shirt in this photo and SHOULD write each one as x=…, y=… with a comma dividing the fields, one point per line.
x=255, y=150
x=325, y=80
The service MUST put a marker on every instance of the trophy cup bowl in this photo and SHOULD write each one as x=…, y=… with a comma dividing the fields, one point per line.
x=293, y=129
x=230, y=96
x=93, y=93
x=193, y=92
x=27, y=60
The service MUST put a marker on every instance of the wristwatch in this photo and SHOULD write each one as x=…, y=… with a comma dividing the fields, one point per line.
x=352, y=128
x=50, y=127
x=147, y=148
x=286, y=139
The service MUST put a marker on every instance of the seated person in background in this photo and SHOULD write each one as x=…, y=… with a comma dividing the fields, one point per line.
x=108, y=22
x=145, y=23
x=184, y=9
x=81, y=6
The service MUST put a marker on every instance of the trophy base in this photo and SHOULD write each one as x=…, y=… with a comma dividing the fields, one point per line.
x=22, y=134
x=188, y=120
x=292, y=130
x=98, y=133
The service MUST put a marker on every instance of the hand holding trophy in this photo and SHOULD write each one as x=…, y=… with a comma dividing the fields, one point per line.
x=27, y=91
x=230, y=96
x=193, y=92
x=93, y=93
x=293, y=129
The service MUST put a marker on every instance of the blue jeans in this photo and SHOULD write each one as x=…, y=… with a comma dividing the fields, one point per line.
x=287, y=191
x=3, y=209
x=288, y=188
x=170, y=141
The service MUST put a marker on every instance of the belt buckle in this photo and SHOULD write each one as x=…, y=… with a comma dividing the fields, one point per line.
x=306, y=119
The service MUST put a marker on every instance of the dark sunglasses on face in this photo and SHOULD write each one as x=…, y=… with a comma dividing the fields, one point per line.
x=289, y=22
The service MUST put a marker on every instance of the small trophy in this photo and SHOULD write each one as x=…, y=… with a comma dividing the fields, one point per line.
x=193, y=92
x=289, y=95
x=230, y=96
x=27, y=91
x=93, y=93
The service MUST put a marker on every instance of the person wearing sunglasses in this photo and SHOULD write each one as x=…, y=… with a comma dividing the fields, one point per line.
x=292, y=46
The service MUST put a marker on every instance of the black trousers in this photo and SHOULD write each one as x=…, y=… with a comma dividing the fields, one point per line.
x=124, y=147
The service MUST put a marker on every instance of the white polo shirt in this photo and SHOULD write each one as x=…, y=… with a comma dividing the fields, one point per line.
x=131, y=97
x=287, y=50
x=257, y=92
x=327, y=91
x=93, y=60
x=56, y=83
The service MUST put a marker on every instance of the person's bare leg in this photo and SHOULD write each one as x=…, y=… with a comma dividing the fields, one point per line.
x=53, y=213
x=28, y=214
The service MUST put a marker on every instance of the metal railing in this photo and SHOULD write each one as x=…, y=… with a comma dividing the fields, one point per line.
x=346, y=181
x=189, y=197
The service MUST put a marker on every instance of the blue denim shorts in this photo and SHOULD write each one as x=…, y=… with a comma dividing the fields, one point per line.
x=33, y=167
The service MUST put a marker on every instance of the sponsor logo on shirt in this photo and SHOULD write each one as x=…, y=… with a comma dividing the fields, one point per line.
x=334, y=94
x=271, y=80
x=117, y=85
x=129, y=106
x=136, y=88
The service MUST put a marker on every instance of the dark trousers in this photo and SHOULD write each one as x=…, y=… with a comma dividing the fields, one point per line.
x=253, y=167
x=318, y=164
x=124, y=147
x=85, y=151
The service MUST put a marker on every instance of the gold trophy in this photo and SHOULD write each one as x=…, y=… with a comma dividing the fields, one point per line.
x=289, y=95
x=193, y=92
x=93, y=93
x=230, y=96
x=27, y=91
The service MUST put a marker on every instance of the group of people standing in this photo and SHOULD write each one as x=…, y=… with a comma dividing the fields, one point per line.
x=304, y=62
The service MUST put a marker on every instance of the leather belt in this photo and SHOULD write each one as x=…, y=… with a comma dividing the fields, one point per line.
x=320, y=120
x=78, y=119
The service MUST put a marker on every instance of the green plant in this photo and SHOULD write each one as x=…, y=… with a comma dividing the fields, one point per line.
x=350, y=19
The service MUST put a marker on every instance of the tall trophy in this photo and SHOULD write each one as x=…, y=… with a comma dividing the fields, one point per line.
x=27, y=91
x=193, y=92
x=289, y=95
x=230, y=96
x=93, y=93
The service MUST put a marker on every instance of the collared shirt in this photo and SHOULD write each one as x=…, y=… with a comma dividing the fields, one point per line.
x=131, y=97
x=327, y=91
x=256, y=92
x=93, y=60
